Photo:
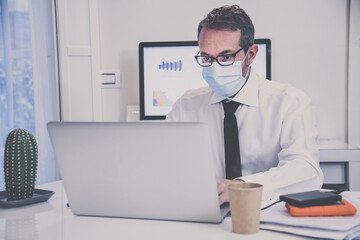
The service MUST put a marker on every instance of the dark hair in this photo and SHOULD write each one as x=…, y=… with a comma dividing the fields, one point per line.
x=231, y=18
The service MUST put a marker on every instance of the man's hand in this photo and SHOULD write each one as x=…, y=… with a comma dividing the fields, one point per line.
x=222, y=186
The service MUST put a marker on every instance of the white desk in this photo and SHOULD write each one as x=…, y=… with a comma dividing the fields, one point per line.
x=54, y=220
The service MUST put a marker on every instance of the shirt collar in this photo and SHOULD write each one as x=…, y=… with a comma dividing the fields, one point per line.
x=248, y=95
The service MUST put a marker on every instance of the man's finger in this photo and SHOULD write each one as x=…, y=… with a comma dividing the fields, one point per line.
x=221, y=199
x=221, y=185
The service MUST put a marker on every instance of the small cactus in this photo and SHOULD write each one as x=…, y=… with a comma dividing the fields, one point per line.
x=20, y=164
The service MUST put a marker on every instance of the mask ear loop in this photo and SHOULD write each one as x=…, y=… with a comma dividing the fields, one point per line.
x=228, y=99
x=248, y=70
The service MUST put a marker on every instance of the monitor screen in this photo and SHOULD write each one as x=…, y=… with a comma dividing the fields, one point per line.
x=169, y=69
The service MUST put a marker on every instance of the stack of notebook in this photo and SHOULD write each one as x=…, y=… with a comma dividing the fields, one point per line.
x=326, y=224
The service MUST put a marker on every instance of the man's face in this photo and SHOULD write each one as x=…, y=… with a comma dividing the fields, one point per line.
x=214, y=42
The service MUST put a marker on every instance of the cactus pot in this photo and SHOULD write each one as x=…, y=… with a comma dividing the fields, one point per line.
x=20, y=164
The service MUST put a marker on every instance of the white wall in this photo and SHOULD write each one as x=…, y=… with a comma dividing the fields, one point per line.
x=354, y=75
x=309, y=47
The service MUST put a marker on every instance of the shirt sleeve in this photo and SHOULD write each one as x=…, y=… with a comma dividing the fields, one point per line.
x=298, y=168
x=175, y=114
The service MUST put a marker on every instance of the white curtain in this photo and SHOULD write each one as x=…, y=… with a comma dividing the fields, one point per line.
x=45, y=85
x=29, y=66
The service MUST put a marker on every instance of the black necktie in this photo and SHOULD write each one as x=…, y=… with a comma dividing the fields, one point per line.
x=231, y=141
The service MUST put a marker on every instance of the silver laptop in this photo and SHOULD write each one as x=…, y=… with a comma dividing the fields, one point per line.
x=149, y=170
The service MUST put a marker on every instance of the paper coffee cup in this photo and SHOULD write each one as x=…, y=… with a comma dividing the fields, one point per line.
x=245, y=205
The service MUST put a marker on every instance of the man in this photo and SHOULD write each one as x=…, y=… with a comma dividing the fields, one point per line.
x=276, y=132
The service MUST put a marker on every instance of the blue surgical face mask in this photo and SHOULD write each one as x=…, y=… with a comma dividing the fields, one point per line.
x=224, y=80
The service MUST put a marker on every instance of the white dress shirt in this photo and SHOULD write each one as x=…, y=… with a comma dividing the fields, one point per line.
x=277, y=134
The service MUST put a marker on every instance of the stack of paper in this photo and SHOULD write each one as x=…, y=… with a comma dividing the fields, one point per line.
x=337, y=227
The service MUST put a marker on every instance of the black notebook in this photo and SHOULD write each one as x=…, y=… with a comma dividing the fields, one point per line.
x=311, y=198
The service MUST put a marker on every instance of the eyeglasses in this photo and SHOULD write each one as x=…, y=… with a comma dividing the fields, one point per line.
x=222, y=59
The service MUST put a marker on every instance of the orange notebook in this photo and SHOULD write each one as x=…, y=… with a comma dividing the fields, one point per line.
x=343, y=208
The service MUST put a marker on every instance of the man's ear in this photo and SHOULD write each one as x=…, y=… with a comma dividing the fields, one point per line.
x=252, y=51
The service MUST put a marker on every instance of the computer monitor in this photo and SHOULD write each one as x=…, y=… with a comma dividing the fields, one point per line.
x=168, y=69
